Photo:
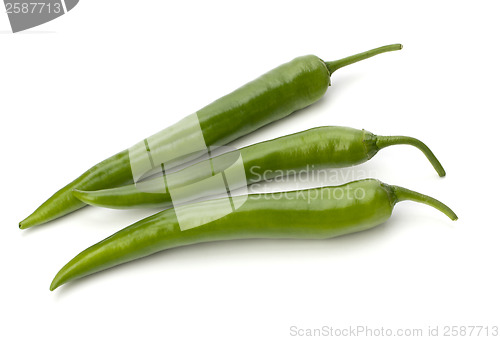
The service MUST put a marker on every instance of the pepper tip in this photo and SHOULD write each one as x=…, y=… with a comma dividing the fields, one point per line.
x=54, y=285
x=23, y=225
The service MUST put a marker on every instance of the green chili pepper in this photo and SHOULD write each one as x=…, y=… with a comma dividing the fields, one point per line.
x=307, y=214
x=317, y=148
x=274, y=95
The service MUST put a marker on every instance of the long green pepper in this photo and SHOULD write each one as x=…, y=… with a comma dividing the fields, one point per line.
x=306, y=214
x=317, y=148
x=274, y=95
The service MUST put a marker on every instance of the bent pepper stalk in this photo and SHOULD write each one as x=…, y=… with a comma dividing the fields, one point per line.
x=273, y=96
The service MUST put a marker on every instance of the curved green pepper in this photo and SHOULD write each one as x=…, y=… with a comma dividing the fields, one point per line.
x=274, y=95
x=317, y=148
x=307, y=214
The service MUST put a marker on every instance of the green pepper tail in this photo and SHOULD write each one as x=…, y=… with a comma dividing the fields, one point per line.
x=403, y=194
x=335, y=65
x=384, y=141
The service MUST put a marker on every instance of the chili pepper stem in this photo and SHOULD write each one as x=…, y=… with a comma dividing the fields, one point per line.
x=335, y=65
x=403, y=194
x=385, y=141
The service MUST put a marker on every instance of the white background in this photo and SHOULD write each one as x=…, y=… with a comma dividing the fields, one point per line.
x=110, y=73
